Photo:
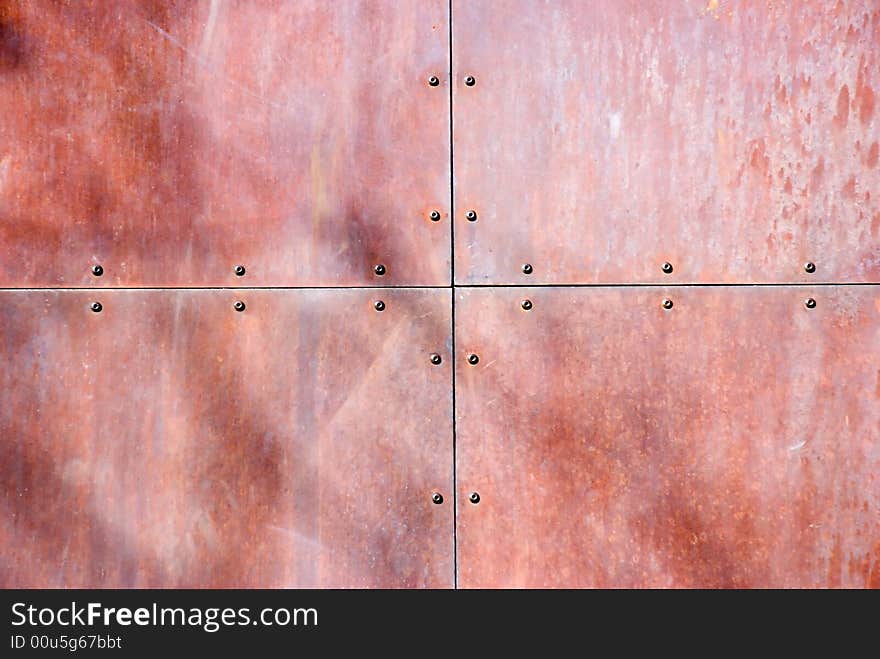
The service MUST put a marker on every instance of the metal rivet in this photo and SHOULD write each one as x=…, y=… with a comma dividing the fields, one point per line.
x=435, y=358
x=239, y=270
x=238, y=306
x=474, y=498
x=379, y=269
x=526, y=304
x=473, y=359
x=667, y=303
x=437, y=498
x=435, y=216
x=667, y=267
x=471, y=216
x=97, y=270
x=810, y=267
x=433, y=81
x=470, y=81
x=379, y=305
x=810, y=303
x=96, y=307
x=527, y=268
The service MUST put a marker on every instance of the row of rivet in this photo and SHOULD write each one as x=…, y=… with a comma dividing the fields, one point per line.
x=667, y=268
x=470, y=81
x=98, y=270
x=379, y=305
x=240, y=270
x=809, y=303
x=379, y=269
x=473, y=497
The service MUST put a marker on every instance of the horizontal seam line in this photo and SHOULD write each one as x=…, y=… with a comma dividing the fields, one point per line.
x=435, y=287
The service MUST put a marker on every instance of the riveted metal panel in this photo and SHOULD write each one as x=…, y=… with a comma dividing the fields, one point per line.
x=732, y=440
x=170, y=141
x=736, y=141
x=170, y=441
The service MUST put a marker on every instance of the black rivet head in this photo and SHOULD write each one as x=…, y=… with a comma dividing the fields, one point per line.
x=470, y=81
x=527, y=268
x=473, y=359
x=667, y=303
x=433, y=81
x=239, y=271
x=526, y=304
x=474, y=498
x=435, y=216
x=97, y=270
x=238, y=306
x=437, y=498
x=810, y=303
x=379, y=305
x=667, y=267
x=810, y=267
x=96, y=307
x=471, y=216
x=379, y=269
x=435, y=358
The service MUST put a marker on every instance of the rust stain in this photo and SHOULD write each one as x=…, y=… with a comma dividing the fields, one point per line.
x=835, y=564
x=842, y=116
x=864, y=96
x=872, y=156
x=873, y=580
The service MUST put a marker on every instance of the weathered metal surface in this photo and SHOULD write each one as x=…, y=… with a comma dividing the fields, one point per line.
x=169, y=441
x=736, y=141
x=170, y=141
x=732, y=440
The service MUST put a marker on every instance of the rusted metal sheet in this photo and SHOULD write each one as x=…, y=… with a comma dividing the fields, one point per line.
x=735, y=141
x=171, y=441
x=171, y=141
x=731, y=440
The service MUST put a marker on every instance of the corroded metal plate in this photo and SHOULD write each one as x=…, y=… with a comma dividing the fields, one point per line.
x=736, y=141
x=171, y=141
x=731, y=441
x=170, y=441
